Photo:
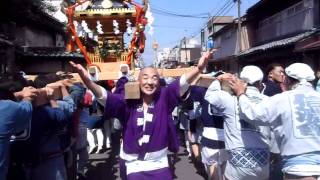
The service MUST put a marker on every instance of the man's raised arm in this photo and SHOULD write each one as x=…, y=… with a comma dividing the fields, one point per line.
x=98, y=91
x=188, y=78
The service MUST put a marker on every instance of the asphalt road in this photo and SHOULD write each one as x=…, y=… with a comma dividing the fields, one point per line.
x=104, y=167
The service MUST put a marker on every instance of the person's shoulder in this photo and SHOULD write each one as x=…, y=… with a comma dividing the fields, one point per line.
x=8, y=105
x=280, y=97
x=257, y=97
x=14, y=105
x=6, y=102
x=224, y=94
x=270, y=84
x=272, y=89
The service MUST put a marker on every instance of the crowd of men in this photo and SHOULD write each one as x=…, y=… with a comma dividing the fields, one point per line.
x=245, y=126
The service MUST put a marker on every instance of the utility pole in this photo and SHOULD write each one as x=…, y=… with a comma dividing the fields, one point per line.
x=239, y=25
x=185, y=48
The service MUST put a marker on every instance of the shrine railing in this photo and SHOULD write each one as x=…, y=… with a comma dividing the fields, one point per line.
x=95, y=58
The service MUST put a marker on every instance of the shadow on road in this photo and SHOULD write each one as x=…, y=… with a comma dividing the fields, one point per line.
x=102, y=168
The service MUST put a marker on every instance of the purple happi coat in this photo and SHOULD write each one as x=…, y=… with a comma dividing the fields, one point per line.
x=161, y=129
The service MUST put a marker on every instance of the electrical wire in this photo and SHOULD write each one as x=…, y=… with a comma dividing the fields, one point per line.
x=221, y=12
x=222, y=9
x=220, y=16
x=176, y=13
x=165, y=12
x=171, y=27
x=226, y=7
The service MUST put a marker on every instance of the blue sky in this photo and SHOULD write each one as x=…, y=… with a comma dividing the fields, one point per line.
x=168, y=31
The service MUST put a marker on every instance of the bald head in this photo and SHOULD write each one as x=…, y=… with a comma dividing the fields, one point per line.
x=149, y=80
x=148, y=71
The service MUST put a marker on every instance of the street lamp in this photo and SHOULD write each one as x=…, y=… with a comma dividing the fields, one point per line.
x=155, y=49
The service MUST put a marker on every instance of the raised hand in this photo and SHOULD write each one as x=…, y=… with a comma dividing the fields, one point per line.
x=192, y=75
x=203, y=61
x=49, y=91
x=28, y=93
x=238, y=86
x=80, y=70
x=96, y=89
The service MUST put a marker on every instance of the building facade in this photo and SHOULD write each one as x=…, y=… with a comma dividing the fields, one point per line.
x=190, y=50
x=227, y=43
x=272, y=31
x=33, y=42
x=279, y=30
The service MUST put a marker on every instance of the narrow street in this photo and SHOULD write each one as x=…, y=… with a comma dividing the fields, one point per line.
x=101, y=167
x=237, y=81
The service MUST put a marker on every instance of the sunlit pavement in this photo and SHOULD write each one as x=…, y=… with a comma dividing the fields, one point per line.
x=104, y=167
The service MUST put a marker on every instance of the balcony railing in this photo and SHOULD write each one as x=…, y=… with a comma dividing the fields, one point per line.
x=297, y=18
x=96, y=58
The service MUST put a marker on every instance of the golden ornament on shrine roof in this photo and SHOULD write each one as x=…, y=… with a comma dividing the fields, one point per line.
x=107, y=4
x=140, y=27
x=135, y=49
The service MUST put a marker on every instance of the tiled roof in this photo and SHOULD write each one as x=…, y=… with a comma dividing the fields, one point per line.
x=220, y=20
x=277, y=43
x=51, y=52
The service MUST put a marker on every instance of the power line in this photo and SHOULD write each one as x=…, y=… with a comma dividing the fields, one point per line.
x=173, y=27
x=222, y=9
x=221, y=12
x=176, y=13
x=172, y=12
x=226, y=7
x=227, y=10
x=218, y=9
x=165, y=12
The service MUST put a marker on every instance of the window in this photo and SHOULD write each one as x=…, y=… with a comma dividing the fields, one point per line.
x=270, y=20
x=290, y=11
x=299, y=7
x=210, y=29
x=293, y=10
x=218, y=27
